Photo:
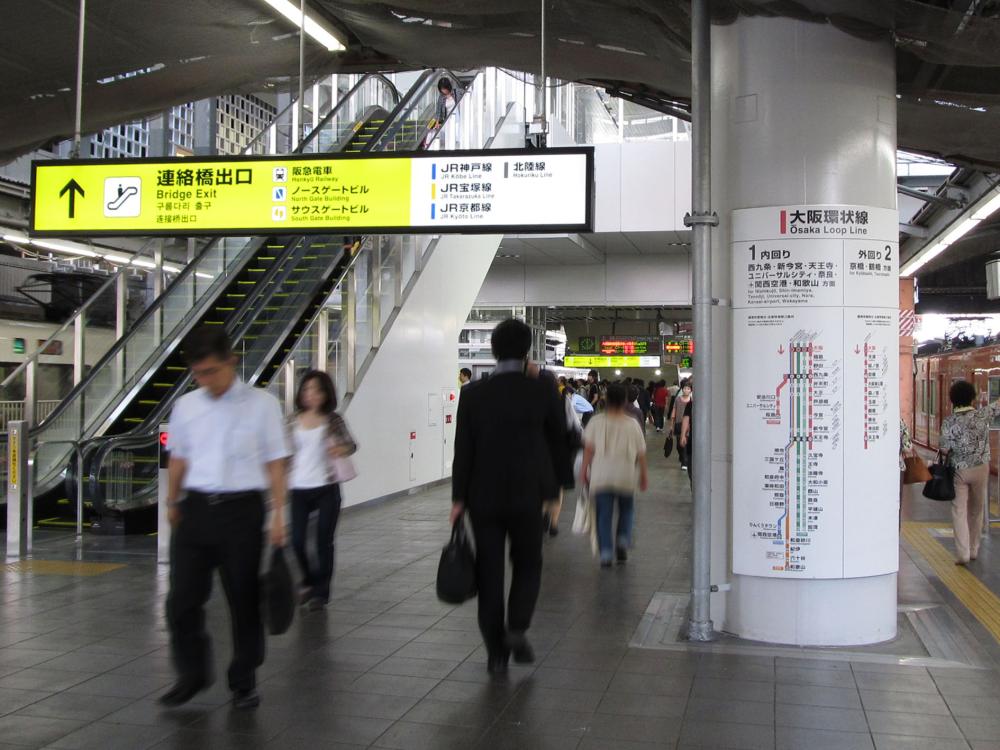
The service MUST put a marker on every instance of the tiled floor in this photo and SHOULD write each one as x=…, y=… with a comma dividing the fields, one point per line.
x=82, y=659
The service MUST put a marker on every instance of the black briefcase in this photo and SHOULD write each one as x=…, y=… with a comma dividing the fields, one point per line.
x=278, y=593
x=456, y=576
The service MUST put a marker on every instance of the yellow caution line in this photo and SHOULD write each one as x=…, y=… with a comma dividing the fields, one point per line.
x=973, y=593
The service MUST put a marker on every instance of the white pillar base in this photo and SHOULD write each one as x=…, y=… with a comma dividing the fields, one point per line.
x=833, y=612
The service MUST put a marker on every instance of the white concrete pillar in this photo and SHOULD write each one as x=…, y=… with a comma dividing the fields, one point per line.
x=803, y=115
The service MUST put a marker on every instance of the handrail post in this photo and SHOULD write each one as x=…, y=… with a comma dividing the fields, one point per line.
x=79, y=349
x=350, y=328
x=79, y=490
x=121, y=319
x=19, y=505
x=322, y=361
x=376, y=307
x=30, y=413
x=289, y=394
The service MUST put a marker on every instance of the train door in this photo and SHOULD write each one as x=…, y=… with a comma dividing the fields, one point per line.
x=920, y=402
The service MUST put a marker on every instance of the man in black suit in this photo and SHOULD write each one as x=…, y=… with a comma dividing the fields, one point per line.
x=511, y=453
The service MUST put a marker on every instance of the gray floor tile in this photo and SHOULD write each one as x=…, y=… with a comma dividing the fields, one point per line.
x=914, y=725
x=545, y=721
x=573, y=679
x=914, y=703
x=487, y=693
x=385, y=684
x=799, y=662
x=532, y=695
x=968, y=684
x=813, y=695
x=706, y=711
x=134, y=687
x=407, y=667
x=597, y=743
x=448, y=713
x=743, y=690
x=351, y=730
x=733, y=736
x=12, y=700
x=41, y=678
x=107, y=736
x=371, y=705
x=651, y=684
x=34, y=731
x=978, y=728
x=968, y=705
x=662, y=732
x=820, y=717
x=794, y=738
x=638, y=704
x=899, y=742
x=842, y=678
x=75, y=706
x=505, y=738
x=411, y=736
x=902, y=683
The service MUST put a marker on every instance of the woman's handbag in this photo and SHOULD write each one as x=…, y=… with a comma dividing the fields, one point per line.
x=941, y=486
x=916, y=471
x=668, y=446
x=342, y=469
x=456, y=575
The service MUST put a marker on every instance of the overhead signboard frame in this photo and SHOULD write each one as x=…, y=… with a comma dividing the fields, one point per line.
x=497, y=191
x=572, y=360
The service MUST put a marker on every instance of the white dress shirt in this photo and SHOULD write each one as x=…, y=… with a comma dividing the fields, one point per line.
x=227, y=441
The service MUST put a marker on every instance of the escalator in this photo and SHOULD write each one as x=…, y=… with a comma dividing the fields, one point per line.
x=231, y=281
x=265, y=309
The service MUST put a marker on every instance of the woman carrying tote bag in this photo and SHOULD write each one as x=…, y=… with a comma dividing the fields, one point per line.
x=965, y=439
x=321, y=445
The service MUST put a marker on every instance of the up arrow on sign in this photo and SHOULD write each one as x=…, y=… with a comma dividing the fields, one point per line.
x=72, y=187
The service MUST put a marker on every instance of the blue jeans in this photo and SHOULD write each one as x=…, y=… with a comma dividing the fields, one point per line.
x=605, y=512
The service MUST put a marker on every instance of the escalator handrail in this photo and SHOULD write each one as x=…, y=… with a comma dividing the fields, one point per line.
x=203, y=304
x=333, y=112
x=428, y=77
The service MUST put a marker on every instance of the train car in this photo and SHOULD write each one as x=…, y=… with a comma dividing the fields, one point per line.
x=933, y=377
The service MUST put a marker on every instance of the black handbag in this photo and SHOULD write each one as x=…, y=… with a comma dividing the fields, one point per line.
x=456, y=576
x=278, y=594
x=941, y=486
x=668, y=446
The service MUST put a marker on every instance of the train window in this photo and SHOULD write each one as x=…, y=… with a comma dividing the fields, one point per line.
x=994, y=395
x=934, y=399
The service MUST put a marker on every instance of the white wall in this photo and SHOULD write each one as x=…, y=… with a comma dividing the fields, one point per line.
x=642, y=187
x=662, y=280
x=406, y=387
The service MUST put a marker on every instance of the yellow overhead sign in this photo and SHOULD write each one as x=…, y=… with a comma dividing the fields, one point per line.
x=435, y=192
x=574, y=361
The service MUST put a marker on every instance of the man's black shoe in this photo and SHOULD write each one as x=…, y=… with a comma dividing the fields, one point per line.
x=244, y=699
x=496, y=664
x=519, y=647
x=182, y=692
x=622, y=554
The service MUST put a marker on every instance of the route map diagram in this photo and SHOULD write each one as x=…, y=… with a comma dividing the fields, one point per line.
x=815, y=372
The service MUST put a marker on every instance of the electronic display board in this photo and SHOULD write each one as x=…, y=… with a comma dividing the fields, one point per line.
x=627, y=346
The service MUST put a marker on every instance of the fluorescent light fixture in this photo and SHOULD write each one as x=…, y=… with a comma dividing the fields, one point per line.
x=988, y=209
x=143, y=263
x=201, y=275
x=171, y=269
x=658, y=372
x=115, y=258
x=16, y=238
x=959, y=230
x=293, y=13
x=70, y=248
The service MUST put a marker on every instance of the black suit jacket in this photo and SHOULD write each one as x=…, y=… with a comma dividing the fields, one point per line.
x=511, y=444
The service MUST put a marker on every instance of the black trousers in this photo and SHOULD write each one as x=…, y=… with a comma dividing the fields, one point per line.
x=492, y=529
x=325, y=501
x=228, y=536
x=682, y=451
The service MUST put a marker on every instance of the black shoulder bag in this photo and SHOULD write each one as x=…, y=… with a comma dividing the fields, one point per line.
x=456, y=575
x=941, y=486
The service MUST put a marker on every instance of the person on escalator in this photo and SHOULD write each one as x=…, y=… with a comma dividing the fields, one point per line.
x=227, y=450
x=322, y=444
x=447, y=101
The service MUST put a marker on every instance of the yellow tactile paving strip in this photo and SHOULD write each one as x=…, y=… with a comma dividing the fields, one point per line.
x=61, y=568
x=973, y=593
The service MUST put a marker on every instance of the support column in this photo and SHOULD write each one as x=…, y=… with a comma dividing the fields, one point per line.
x=803, y=118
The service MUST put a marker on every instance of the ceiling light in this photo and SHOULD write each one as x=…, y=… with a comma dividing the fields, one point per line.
x=988, y=209
x=313, y=28
x=16, y=238
x=657, y=372
x=143, y=263
x=200, y=275
x=70, y=248
x=115, y=258
x=618, y=372
x=171, y=269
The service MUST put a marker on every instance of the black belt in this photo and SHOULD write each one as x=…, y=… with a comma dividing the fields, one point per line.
x=216, y=498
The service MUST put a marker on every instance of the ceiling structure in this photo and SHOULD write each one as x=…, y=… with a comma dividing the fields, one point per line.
x=588, y=249
x=143, y=56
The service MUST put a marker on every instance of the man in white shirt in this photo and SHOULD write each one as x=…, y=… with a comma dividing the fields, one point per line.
x=227, y=448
